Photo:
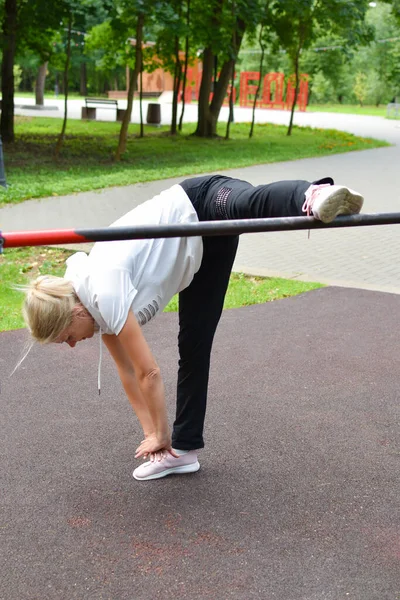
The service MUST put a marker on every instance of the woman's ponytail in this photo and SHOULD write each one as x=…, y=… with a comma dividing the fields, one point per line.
x=48, y=306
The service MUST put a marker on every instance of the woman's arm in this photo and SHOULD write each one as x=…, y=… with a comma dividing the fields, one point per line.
x=127, y=376
x=149, y=380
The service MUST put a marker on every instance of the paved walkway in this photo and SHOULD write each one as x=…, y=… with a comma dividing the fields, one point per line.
x=297, y=496
x=364, y=257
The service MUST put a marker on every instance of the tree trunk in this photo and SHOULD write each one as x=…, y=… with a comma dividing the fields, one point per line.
x=83, y=80
x=40, y=83
x=204, y=125
x=185, y=69
x=296, y=90
x=215, y=77
x=177, y=84
x=230, y=118
x=60, y=140
x=7, y=71
x=209, y=113
x=221, y=86
x=133, y=76
x=224, y=77
x=141, y=102
x=259, y=81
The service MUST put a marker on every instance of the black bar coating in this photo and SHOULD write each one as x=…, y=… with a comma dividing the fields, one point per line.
x=235, y=227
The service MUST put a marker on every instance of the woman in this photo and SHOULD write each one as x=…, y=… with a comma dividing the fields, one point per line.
x=121, y=285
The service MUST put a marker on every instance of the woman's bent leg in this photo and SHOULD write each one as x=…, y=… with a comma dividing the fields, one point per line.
x=220, y=197
x=200, y=307
x=279, y=199
x=236, y=199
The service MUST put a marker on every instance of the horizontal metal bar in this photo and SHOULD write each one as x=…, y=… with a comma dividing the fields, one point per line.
x=203, y=228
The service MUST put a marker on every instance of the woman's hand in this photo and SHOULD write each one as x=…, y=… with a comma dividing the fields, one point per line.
x=155, y=445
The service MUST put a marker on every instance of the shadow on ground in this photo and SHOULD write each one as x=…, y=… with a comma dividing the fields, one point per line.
x=297, y=498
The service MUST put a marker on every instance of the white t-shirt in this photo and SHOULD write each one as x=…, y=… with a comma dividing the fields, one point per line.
x=138, y=275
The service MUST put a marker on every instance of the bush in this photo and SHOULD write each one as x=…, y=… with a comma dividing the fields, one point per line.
x=321, y=90
x=17, y=77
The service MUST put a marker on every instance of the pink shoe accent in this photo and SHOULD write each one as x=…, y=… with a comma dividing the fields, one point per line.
x=325, y=202
x=311, y=195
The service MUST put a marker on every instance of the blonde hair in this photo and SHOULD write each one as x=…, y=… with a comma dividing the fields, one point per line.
x=48, y=306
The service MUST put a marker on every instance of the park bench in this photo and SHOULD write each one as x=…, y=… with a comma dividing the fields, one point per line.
x=393, y=109
x=91, y=105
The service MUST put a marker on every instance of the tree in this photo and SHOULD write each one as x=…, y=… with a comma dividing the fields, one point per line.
x=121, y=39
x=327, y=62
x=171, y=30
x=360, y=87
x=24, y=23
x=75, y=10
x=186, y=65
x=60, y=140
x=262, y=40
x=380, y=59
x=10, y=22
x=322, y=90
x=298, y=22
x=92, y=13
x=133, y=75
x=220, y=27
x=39, y=42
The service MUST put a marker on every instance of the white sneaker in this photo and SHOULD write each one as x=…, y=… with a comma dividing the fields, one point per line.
x=326, y=202
x=187, y=463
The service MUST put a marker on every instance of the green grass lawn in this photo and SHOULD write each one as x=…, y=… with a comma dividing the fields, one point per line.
x=18, y=266
x=51, y=96
x=48, y=96
x=350, y=109
x=87, y=161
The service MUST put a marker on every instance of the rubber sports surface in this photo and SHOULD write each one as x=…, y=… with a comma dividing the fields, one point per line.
x=298, y=493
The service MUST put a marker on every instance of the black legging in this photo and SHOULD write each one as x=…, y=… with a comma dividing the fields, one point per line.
x=200, y=304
